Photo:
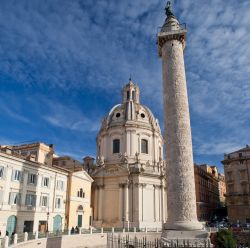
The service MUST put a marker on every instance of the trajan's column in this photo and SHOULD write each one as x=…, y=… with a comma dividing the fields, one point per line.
x=182, y=220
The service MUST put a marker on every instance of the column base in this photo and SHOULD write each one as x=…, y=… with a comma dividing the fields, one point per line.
x=194, y=238
x=183, y=225
x=97, y=223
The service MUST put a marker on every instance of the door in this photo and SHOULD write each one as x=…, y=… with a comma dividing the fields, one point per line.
x=28, y=226
x=79, y=220
x=57, y=225
x=42, y=226
x=11, y=225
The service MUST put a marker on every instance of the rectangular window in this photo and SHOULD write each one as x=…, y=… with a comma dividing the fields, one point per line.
x=45, y=182
x=30, y=200
x=243, y=175
x=116, y=146
x=44, y=201
x=58, y=203
x=32, y=178
x=60, y=185
x=231, y=188
x=14, y=198
x=133, y=95
x=16, y=175
x=144, y=146
x=128, y=95
x=229, y=174
x=1, y=171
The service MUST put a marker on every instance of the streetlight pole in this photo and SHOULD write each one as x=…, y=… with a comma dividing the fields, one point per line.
x=47, y=223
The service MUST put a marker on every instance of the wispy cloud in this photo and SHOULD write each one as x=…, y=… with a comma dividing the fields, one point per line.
x=71, y=118
x=12, y=108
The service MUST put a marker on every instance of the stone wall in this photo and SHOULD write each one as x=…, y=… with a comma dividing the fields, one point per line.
x=83, y=240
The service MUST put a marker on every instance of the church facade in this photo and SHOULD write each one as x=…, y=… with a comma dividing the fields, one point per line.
x=129, y=183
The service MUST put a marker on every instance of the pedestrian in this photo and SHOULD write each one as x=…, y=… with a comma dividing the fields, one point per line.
x=72, y=230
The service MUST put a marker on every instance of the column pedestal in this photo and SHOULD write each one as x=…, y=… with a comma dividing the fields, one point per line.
x=193, y=238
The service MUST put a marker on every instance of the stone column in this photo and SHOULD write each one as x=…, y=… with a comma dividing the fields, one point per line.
x=96, y=204
x=100, y=202
x=126, y=202
x=121, y=202
x=128, y=142
x=160, y=201
x=154, y=203
x=181, y=199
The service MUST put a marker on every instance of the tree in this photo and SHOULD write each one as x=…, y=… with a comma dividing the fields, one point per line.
x=225, y=239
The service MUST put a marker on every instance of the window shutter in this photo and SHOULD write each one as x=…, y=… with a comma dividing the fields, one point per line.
x=13, y=175
x=11, y=201
x=34, y=201
x=26, y=200
x=35, y=182
x=4, y=172
x=21, y=179
x=19, y=198
x=42, y=181
x=1, y=196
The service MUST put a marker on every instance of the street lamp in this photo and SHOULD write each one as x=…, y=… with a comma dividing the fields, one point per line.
x=47, y=222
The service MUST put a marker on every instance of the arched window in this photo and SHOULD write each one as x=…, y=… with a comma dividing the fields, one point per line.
x=80, y=208
x=80, y=193
x=144, y=146
x=116, y=146
x=128, y=95
x=133, y=95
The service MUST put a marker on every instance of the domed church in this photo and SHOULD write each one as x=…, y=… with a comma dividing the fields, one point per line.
x=129, y=183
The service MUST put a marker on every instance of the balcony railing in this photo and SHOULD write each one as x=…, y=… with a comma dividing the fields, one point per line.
x=180, y=26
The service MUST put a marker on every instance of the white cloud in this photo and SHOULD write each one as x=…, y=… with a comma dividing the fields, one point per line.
x=70, y=118
x=78, y=44
x=11, y=107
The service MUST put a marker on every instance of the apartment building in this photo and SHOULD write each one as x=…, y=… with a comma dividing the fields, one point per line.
x=36, y=195
x=237, y=177
x=207, y=189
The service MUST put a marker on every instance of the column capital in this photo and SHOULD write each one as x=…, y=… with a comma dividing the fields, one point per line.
x=141, y=185
x=123, y=185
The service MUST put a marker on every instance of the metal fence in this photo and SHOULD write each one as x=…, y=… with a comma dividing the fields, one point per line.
x=119, y=241
x=114, y=241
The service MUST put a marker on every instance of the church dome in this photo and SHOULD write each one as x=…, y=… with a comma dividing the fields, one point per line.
x=130, y=132
x=131, y=112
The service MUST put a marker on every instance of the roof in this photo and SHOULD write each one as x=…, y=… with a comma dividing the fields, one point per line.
x=32, y=163
x=245, y=149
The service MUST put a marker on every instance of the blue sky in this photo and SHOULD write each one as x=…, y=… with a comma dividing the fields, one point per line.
x=63, y=64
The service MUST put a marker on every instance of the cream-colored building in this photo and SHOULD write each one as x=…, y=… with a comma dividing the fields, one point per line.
x=129, y=182
x=237, y=177
x=36, y=196
x=32, y=195
x=79, y=190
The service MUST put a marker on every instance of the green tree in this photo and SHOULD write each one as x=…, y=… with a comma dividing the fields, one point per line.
x=225, y=239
